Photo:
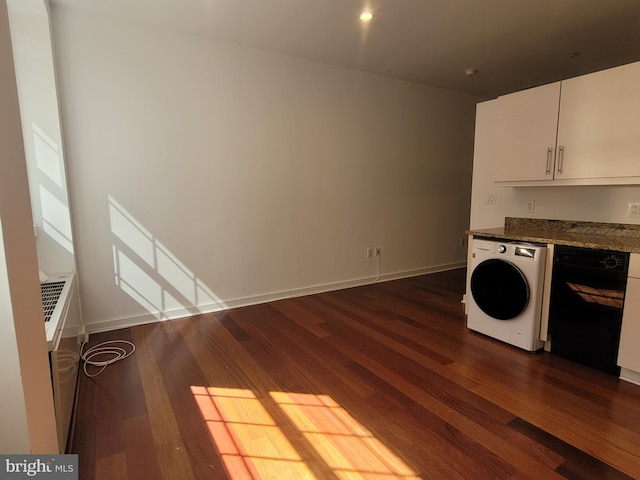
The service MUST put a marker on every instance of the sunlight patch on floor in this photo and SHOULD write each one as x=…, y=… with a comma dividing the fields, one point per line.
x=253, y=446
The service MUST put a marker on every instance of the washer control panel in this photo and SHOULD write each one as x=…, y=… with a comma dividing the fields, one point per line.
x=510, y=249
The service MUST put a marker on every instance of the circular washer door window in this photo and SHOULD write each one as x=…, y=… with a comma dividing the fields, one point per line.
x=500, y=289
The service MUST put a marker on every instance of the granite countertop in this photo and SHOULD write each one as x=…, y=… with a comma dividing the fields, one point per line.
x=608, y=236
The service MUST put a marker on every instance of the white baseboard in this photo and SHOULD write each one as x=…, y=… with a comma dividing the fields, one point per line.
x=629, y=376
x=152, y=317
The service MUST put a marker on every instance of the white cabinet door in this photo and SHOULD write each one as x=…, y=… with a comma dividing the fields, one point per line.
x=599, y=125
x=629, y=352
x=526, y=134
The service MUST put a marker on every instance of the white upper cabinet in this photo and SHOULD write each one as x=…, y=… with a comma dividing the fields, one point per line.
x=581, y=131
x=599, y=124
x=526, y=134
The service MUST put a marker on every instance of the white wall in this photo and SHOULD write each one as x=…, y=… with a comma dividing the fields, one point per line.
x=206, y=174
x=28, y=421
x=583, y=203
x=33, y=58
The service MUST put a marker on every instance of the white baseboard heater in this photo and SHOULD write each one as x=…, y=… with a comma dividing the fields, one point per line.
x=61, y=307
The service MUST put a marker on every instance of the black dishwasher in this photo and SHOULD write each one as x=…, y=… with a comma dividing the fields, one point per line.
x=585, y=311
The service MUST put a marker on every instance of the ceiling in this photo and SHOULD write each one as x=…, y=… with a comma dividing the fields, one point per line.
x=513, y=44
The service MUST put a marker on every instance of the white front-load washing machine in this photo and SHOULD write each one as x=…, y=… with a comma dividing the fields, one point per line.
x=506, y=283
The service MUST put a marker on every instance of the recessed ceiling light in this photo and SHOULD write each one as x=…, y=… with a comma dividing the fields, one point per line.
x=366, y=16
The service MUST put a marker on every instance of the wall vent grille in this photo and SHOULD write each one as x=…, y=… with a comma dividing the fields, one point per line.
x=50, y=294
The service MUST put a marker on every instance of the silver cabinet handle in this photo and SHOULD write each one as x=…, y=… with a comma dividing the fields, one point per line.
x=560, y=158
x=549, y=158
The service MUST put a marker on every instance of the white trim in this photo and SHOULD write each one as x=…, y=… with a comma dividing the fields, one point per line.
x=606, y=181
x=629, y=376
x=127, y=322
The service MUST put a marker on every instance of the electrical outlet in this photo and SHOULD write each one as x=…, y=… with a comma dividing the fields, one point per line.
x=634, y=210
x=530, y=206
x=462, y=241
x=369, y=252
x=378, y=250
x=490, y=198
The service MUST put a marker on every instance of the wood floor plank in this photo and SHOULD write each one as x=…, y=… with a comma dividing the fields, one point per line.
x=180, y=372
x=172, y=458
x=109, y=429
x=140, y=449
x=112, y=466
x=380, y=381
x=576, y=463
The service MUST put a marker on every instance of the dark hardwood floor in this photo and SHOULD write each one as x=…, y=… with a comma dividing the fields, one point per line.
x=382, y=381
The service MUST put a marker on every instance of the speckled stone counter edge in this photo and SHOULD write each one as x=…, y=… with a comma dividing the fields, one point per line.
x=609, y=236
x=564, y=226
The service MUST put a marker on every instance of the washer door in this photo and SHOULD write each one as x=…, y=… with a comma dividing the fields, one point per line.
x=500, y=289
